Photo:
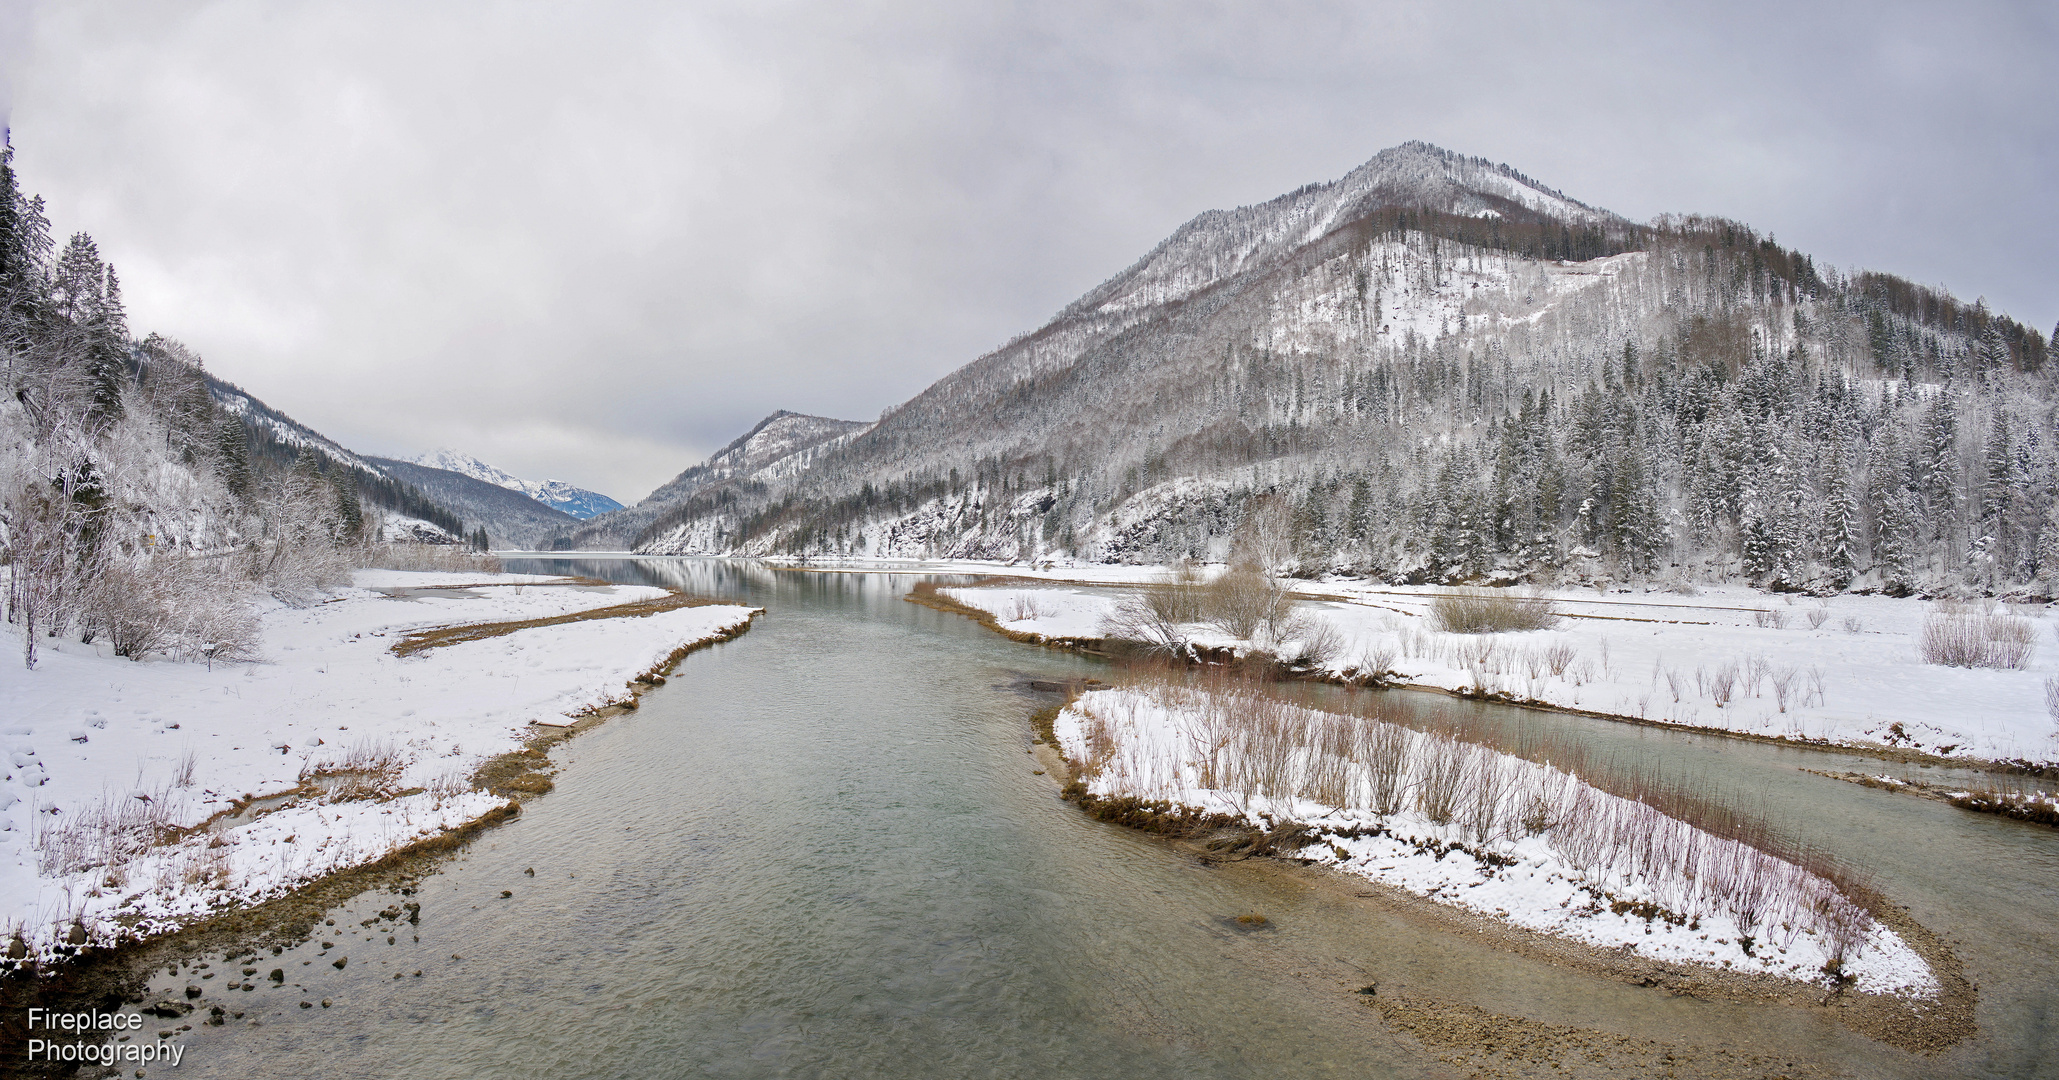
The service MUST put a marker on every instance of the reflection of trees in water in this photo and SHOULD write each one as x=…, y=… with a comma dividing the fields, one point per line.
x=755, y=582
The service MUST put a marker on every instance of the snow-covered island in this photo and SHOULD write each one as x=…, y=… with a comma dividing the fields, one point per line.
x=141, y=795
x=1471, y=827
x=1845, y=670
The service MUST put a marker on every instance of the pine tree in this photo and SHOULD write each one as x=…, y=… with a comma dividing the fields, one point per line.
x=1840, y=530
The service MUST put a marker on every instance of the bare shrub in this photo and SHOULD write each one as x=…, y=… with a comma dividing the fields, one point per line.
x=1722, y=684
x=169, y=603
x=1317, y=641
x=1487, y=784
x=1384, y=749
x=1673, y=681
x=1144, y=618
x=1852, y=624
x=1443, y=774
x=1024, y=606
x=1377, y=660
x=1242, y=600
x=2052, y=698
x=1817, y=616
x=1774, y=619
x=1489, y=611
x=1783, y=679
x=1955, y=636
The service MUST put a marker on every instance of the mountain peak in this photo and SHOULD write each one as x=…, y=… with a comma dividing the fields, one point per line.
x=556, y=494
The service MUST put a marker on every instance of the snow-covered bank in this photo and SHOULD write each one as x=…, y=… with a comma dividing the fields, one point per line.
x=1844, y=670
x=1481, y=830
x=108, y=757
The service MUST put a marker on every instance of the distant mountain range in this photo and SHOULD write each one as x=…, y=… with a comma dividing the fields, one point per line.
x=1438, y=369
x=556, y=494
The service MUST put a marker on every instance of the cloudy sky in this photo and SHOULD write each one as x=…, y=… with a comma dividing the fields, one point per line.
x=597, y=241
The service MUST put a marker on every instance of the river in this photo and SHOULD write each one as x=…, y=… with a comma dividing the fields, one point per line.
x=822, y=850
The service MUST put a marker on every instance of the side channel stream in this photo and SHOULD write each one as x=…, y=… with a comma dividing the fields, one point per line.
x=821, y=850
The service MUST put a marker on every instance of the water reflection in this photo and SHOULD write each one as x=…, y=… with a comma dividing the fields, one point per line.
x=821, y=851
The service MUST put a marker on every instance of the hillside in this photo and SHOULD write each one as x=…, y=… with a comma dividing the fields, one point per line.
x=555, y=494
x=1440, y=369
x=779, y=448
x=510, y=518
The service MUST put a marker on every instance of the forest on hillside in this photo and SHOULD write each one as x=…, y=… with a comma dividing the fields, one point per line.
x=1443, y=398
x=135, y=508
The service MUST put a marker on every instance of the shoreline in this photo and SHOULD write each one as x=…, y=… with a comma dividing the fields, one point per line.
x=1274, y=670
x=110, y=976
x=1912, y=1025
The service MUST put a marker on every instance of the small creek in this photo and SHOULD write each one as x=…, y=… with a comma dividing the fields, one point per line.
x=821, y=851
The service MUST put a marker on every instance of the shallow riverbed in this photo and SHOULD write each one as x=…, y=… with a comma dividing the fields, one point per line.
x=821, y=851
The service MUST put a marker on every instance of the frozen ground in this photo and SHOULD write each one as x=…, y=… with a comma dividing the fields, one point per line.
x=102, y=752
x=1844, y=670
x=1543, y=851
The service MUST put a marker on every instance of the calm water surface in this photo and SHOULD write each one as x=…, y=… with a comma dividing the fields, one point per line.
x=821, y=851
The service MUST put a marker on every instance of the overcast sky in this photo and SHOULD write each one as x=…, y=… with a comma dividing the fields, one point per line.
x=596, y=241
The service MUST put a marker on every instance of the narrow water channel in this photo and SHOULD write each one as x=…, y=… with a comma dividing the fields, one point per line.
x=821, y=850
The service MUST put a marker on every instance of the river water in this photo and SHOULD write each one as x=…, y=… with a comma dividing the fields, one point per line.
x=822, y=850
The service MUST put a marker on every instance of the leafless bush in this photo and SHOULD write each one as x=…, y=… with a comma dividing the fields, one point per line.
x=1443, y=772
x=188, y=763
x=1817, y=616
x=1024, y=606
x=1852, y=624
x=1377, y=660
x=1673, y=681
x=1486, y=787
x=1317, y=641
x=445, y=558
x=1243, y=600
x=1384, y=749
x=172, y=604
x=2052, y=698
x=1782, y=679
x=1954, y=636
x=1144, y=618
x=1722, y=684
x=1774, y=619
x=1489, y=611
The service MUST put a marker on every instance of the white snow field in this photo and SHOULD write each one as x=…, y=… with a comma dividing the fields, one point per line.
x=1508, y=838
x=1844, y=670
x=103, y=754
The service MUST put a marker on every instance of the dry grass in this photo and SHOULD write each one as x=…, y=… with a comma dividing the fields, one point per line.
x=449, y=558
x=1490, y=611
x=1703, y=852
x=422, y=641
x=1957, y=635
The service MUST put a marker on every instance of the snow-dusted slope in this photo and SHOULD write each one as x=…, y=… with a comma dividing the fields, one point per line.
x=778, y=448
x=556, y=494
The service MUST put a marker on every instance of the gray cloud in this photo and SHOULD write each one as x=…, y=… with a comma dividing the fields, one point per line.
x=597, y=241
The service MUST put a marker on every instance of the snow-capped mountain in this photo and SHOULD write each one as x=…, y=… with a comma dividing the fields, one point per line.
x=779, y=448
x=556, y=494
x=1439, y=369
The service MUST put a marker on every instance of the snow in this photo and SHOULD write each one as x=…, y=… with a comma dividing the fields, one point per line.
x=1855, y=679
x=85, y=730
x=1169, y=743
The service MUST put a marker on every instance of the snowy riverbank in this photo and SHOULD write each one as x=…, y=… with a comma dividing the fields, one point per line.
x=1484, y=831
x=1844, y=670
x=108, y=758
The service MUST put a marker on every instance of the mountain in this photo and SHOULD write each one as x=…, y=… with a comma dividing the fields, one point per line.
x=556, y=494
x=780, y=447
x=268, y=436
x=1438, y=369
x=510, y=518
